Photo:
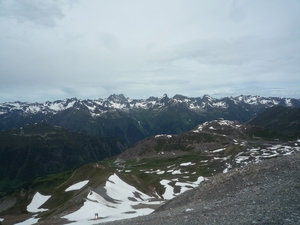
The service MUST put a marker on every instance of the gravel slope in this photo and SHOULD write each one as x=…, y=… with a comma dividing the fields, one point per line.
x=264, y=193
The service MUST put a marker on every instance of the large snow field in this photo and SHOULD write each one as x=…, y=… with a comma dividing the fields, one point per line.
x=121, y=208
x=127, y=200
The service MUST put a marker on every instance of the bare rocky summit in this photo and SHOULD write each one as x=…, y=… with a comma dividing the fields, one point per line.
x=262, y=193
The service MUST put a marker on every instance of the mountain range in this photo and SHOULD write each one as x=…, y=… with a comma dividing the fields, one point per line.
x=135, y=119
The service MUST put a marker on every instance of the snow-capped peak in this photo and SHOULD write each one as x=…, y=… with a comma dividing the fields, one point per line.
x=120, y=102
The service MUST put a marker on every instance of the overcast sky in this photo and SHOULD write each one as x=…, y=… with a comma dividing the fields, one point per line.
x=89, y=49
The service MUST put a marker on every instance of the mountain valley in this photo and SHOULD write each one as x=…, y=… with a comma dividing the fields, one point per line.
x=146, y=178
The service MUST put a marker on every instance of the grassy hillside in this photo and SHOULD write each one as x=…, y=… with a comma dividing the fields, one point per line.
x=40, y=149
x=283, y=120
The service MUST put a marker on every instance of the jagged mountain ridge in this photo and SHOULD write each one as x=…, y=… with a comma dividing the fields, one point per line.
x=100, y=106
x=136, y=119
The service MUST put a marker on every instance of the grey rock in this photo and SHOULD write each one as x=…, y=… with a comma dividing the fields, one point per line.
x=262, y=193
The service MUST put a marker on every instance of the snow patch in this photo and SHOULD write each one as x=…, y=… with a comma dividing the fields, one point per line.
x=226, y=122
x=218, y=150
x=239, y=159
x=176, y=172
x=77, y=186
x=37, y=200
x=187, y=210
x=160, y=172
x=187, y=164
x=288, y=102
x=200, y=127
x=163, y=135
x=220, y=105
x=169, y=191
x=227, y=168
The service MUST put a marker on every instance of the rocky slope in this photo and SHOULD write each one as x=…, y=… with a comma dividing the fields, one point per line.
x=263, y=193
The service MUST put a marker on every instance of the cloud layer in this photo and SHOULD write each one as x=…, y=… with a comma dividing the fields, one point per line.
x=90, y=49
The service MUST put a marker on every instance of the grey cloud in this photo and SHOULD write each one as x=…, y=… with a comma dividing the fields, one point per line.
x=255, y=54
x=70, y=91
x=237, y=12
x=109, y=41
x=193, y=48
x=43, y=12
x=72, y=37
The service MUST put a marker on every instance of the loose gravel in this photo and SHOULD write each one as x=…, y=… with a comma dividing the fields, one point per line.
x=263, y=193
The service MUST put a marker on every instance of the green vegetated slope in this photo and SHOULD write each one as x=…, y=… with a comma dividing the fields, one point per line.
x=13, y=207
x=283, y=120
x=211, y=136
x=39, y=149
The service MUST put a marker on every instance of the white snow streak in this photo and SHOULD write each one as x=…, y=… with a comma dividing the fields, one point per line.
x=219, y=150
x=77, y=186
x=187, y=164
